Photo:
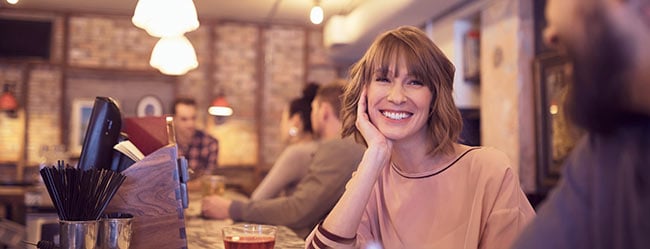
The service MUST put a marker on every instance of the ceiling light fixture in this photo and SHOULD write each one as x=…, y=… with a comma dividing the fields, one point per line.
x=161, y=18
x=174, y=55
x=316, y=14
x=220, y=107
x=8, y=101
x=12, y=2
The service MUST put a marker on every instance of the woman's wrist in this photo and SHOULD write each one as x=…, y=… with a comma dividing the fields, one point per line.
x=375, y=158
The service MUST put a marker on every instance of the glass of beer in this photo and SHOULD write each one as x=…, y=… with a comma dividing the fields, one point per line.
x=213, y=185
x=249, y=236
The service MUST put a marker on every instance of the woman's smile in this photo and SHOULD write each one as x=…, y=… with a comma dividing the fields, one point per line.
x=396, y=115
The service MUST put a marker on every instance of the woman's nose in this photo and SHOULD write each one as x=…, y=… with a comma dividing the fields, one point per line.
x=396, y=94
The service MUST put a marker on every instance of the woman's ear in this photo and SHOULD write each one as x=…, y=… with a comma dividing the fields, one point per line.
x=297, y=122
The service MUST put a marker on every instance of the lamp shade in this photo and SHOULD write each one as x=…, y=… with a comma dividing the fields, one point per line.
x=8, y=101
x=174, y=56
x=220, y=107
x=161, y=18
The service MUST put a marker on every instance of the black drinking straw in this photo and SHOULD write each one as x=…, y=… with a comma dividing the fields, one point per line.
x=80, y=195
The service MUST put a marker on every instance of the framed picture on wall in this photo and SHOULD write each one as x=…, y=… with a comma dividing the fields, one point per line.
x=555, y=134
x=149, y=105
x=79, y=118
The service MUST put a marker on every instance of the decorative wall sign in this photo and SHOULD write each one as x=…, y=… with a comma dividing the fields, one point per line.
x=471, y=56
x=556, y=136
x=149, y=106
x=79, y=118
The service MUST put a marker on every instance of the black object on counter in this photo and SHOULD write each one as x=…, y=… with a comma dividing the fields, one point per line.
x=101, y=135
x=80, y=195
x=120, y=161
x=43, y=244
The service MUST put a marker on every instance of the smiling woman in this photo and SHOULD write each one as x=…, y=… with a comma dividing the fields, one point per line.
x=399, y=103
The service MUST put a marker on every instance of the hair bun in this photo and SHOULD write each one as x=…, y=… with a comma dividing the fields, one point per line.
x=309, y=92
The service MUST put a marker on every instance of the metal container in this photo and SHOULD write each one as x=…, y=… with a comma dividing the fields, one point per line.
x=115, y=231
x=78, y=234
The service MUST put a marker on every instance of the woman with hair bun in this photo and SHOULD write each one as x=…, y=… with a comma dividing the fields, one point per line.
x=292, y=164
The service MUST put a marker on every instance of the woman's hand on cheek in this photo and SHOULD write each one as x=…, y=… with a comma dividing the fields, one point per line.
x=368, y=130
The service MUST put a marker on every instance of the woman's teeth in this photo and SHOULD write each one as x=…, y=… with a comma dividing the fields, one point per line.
x=396, y=115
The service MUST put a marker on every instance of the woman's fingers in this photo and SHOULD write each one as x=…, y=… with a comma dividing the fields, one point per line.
x=367, y=129
x=362, y=105
x=363, y=121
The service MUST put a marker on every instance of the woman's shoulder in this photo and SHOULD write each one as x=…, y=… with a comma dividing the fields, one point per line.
x=341, y=145
x=488, y=157
x=301, y=148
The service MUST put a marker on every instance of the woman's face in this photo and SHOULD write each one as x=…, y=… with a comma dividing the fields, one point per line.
x=398, y=103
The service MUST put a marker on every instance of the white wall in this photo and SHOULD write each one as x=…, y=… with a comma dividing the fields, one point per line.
x=448, y=35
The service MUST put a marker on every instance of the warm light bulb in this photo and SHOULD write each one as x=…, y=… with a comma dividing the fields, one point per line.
x=12, y=1
x=316, y=14
x=553, y=109
x=220, y=111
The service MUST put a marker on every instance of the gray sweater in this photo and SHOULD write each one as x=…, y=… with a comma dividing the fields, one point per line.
x=603, y=199
x=315, y=195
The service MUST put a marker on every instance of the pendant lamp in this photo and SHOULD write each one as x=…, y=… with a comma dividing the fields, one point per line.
x=161, y=18
x=220, y=107
x=173, y=55
x=8, y=101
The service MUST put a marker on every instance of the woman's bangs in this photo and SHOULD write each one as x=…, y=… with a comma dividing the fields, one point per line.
x=390, y=53
x=386, y=56
x=416, y=66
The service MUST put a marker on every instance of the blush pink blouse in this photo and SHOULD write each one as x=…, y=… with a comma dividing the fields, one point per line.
x=476, y=202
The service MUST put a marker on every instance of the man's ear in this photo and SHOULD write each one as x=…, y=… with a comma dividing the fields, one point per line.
x=326, y=110
x=642, y=6
x=645, y=11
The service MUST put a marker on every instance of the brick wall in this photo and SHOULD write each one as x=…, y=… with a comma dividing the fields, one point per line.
x=236, y=75
x=254, y=65
x=320, y=68
x=108, y=42
x=43, y=110
x=284, y=76
x=12, y=127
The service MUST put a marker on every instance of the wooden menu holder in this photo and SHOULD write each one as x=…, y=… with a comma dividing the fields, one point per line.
x=155, y=194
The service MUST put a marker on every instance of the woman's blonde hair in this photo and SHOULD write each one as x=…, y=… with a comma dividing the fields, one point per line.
x=425, y=62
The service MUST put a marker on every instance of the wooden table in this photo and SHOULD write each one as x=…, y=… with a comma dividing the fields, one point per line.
x=205, y=233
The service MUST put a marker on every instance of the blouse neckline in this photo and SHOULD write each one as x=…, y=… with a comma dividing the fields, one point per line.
x=426, y=174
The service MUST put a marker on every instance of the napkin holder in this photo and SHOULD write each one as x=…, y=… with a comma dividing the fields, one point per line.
x=155, y=193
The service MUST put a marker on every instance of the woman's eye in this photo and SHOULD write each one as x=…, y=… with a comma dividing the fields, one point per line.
x=382, y=79
x=416, y=83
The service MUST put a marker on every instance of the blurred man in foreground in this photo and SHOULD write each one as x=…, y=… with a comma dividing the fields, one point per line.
x=603, y=199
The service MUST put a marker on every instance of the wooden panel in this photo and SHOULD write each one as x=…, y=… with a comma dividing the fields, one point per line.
x=151, y=193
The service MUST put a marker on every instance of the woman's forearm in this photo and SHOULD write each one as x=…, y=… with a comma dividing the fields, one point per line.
x=345, y=217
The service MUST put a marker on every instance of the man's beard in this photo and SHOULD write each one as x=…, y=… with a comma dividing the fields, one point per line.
x=596, y=98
